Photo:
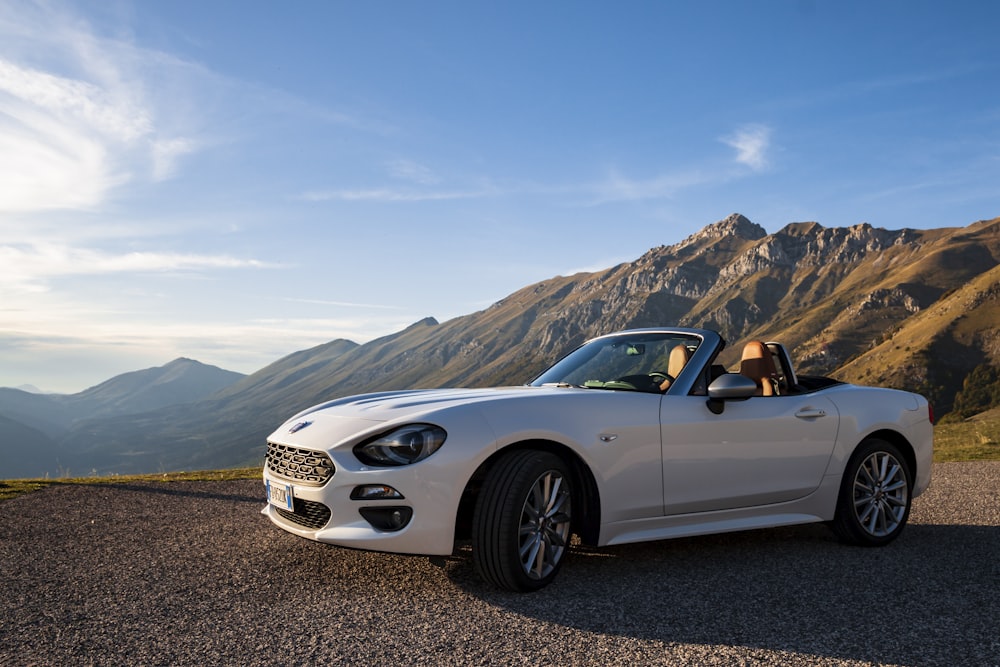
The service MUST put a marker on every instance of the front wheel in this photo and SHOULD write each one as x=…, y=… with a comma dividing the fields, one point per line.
x=875, y=495
x=522, y=521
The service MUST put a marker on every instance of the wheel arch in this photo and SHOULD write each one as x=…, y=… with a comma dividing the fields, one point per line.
x=899, y=440
x=586, y=496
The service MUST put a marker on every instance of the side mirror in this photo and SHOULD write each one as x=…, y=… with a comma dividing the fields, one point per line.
x=729, y=387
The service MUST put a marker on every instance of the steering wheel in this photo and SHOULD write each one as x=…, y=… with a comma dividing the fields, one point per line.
x=659, y=378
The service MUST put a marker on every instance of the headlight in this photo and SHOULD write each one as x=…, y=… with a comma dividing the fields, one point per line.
x=401, y=447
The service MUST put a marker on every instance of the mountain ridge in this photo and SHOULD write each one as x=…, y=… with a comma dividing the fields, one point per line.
x=836, y=296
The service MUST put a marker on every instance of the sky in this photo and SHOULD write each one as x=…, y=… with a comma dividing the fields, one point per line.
x=234, y=181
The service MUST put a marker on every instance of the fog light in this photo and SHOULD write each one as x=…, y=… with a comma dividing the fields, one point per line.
x=388, y=519
x=375, y=492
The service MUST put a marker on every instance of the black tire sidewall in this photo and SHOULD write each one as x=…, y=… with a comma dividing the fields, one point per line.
x=497, y=516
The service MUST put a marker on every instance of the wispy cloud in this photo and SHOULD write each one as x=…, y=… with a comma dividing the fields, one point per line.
x=166, y=154
x=422, y=183
x=617, y=187
x=415, y=172
x=393, y=195
x=78, y=116
x=113, y=113
x=54, y=136
x=343, y=304
x=845, y=91
x=751, y=143
x=27, y=268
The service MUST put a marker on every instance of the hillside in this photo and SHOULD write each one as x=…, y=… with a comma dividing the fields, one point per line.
x=25, y=451
x=35, y=428
x=180, y=381
x=934, y=350
x=908, y=308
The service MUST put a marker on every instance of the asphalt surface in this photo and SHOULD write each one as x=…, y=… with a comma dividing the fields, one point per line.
x=191, y=573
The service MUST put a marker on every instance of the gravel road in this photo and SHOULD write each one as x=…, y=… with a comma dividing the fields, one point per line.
x=190, y=573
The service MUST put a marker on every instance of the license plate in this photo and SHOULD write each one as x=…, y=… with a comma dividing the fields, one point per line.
x=280, y=495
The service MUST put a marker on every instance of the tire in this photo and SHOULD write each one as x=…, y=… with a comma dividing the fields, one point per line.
x=522, y=522
x=875, y=495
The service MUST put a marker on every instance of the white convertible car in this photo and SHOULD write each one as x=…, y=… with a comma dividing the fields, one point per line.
x=634, y=436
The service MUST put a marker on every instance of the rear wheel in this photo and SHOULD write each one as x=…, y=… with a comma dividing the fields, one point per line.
x=521, y=526
x=875, y=495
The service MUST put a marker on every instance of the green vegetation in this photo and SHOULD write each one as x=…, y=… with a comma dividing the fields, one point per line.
x=972, y=440
x=10, y=488
x=980, y=392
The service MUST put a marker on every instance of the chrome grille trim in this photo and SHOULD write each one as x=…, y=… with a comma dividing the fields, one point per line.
x=303, y=466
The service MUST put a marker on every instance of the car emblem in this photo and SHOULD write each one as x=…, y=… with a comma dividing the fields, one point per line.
x=298, y=427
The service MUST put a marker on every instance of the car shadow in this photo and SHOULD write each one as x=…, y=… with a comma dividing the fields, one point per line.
x=251, y=491
x=930, y=597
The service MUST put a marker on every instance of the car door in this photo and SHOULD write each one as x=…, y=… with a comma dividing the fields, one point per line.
x=759, y=451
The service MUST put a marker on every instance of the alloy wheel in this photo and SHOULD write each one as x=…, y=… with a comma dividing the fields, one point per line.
x=881, y=494
x=545, y=525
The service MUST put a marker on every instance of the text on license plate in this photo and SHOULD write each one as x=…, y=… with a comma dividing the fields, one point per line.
x=280, y=495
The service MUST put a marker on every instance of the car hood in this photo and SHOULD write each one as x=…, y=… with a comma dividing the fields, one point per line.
x=351, y=417
x=393, y=405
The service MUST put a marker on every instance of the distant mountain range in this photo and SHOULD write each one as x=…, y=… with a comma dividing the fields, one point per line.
x=37, y=431
x=915, y=309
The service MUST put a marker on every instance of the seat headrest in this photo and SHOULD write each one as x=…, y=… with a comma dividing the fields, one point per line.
x=757, y=361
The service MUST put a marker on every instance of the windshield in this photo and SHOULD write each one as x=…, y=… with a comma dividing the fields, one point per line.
x=638, y=362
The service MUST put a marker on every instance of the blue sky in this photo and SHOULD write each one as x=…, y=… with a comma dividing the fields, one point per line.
x=236, y=181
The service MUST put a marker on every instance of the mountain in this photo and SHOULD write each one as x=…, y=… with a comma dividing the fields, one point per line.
x=25, y=451
x=180, y=381
x=34, y=427
x=915, y=309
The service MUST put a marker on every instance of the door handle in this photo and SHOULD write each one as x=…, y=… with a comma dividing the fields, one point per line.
x=810, y=413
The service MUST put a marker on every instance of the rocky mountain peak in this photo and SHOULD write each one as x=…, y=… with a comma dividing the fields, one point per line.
x=736, y=225
x=798, y=229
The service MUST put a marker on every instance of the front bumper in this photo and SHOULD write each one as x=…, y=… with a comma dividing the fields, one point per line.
x=329, y=514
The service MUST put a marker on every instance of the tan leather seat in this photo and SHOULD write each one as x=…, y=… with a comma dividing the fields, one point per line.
x=758, y=365
x=679, y=356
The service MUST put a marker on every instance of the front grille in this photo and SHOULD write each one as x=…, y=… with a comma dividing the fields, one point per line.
x=305, y=466
x=308, y=513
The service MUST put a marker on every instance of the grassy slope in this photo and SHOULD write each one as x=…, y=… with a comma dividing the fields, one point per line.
x=15, y=487
x=977, y=439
